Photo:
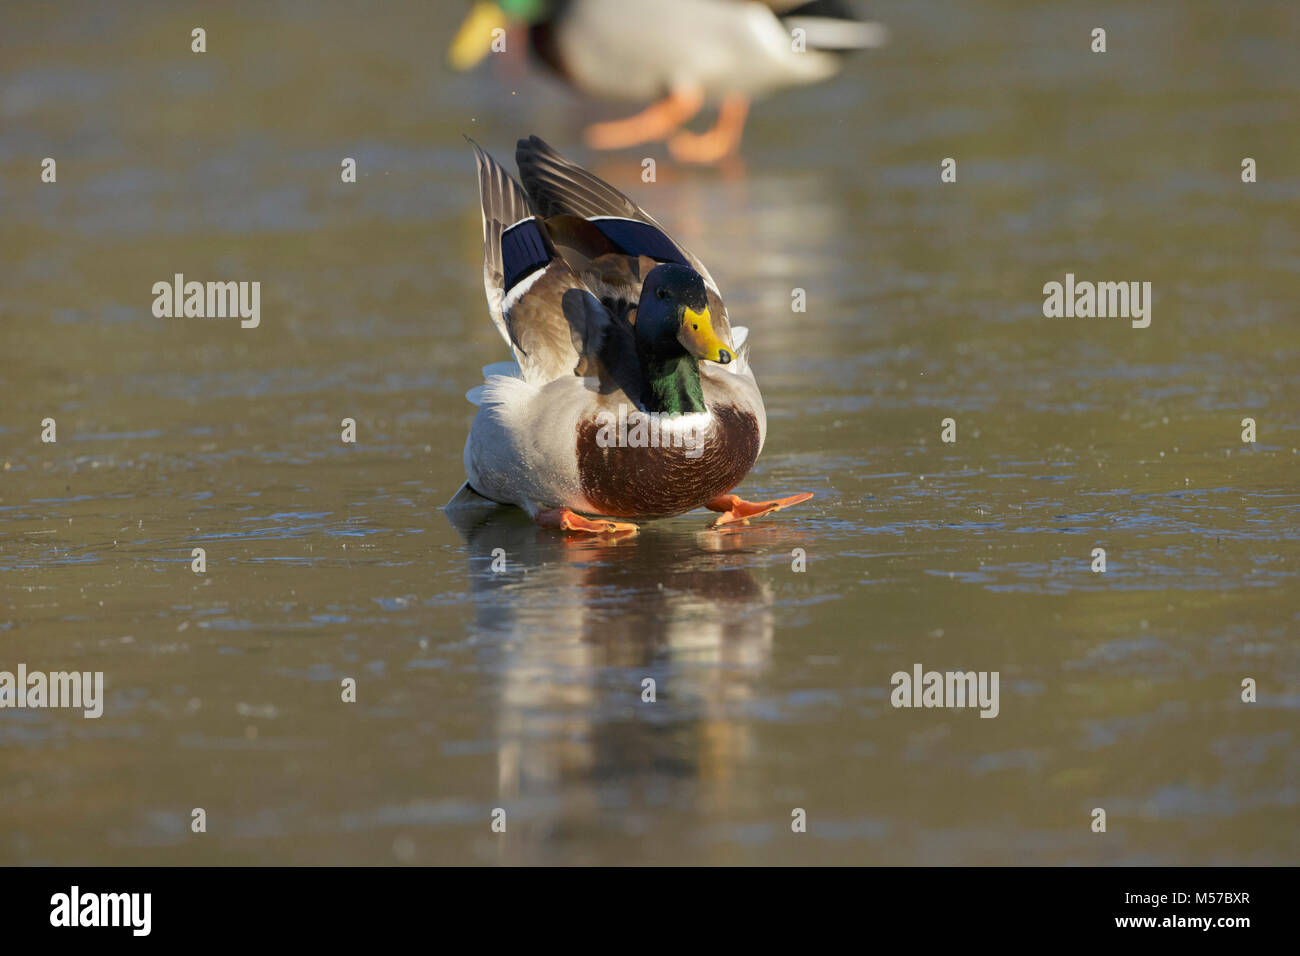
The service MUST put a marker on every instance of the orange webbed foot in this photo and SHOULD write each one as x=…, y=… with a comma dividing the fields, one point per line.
x=653, y=123
x=718, y=143
x=567, y=520
x=736, y=509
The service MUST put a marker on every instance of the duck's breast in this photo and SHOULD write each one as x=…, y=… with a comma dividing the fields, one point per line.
x=634, y=465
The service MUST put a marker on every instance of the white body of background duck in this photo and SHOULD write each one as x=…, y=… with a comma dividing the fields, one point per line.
x=678, y=55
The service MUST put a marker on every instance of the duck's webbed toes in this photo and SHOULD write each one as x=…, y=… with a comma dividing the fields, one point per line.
x=735, y=509
x=567, y=520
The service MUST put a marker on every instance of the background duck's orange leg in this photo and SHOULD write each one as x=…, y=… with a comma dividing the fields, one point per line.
x=722, y=140
x=654, y=122
x=567, y=520
x=735, y=508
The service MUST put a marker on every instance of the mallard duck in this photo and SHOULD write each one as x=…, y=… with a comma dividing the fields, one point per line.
x=682, y=54
x=630, y=395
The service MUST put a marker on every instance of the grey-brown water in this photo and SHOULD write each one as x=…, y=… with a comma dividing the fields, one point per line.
x=522, y=690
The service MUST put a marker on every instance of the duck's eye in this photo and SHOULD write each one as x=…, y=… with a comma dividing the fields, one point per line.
x=661, y=293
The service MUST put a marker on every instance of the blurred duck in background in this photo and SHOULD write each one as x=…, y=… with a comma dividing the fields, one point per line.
x=678, y=55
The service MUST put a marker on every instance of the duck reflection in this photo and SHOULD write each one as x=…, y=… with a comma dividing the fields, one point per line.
x=579, y=624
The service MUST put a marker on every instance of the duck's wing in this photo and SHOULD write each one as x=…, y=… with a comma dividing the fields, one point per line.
x=614, y=224
x=613, y=276
x=551, y=321
x=504, y=204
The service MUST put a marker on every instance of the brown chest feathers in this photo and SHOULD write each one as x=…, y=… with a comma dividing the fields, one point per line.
x=631, y=472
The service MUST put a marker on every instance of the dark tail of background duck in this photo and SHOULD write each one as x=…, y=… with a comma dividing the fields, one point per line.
x=833, y=25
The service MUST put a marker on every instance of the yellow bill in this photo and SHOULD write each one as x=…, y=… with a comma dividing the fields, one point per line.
x=698, y=338
x=474, y=38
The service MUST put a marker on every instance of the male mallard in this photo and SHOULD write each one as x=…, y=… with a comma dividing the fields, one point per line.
x=630, y=395
x=680, y=53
